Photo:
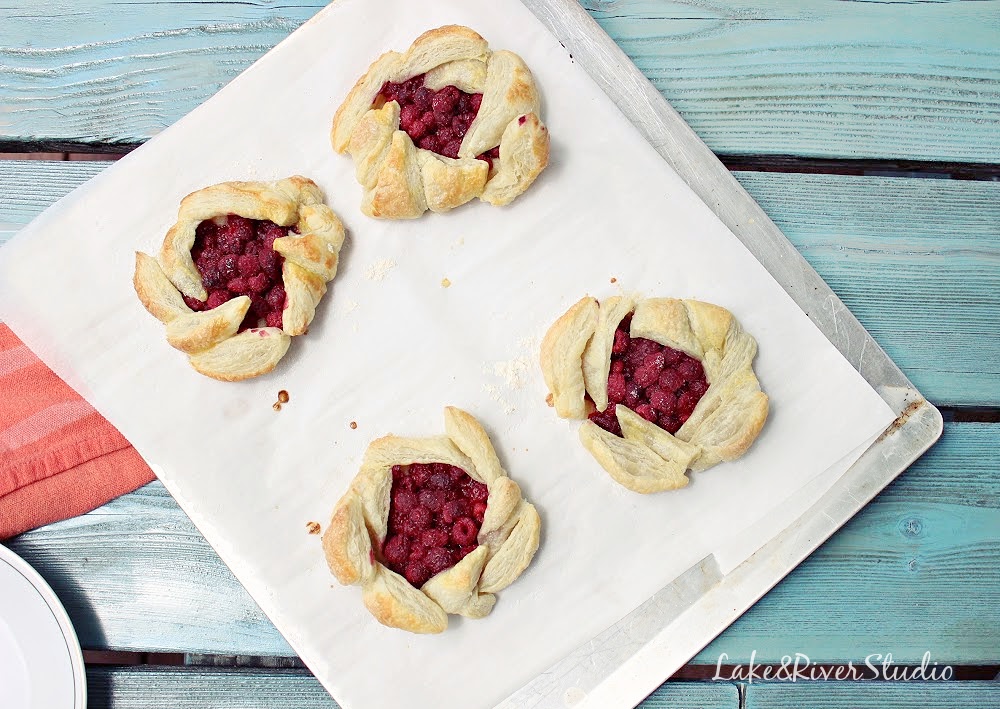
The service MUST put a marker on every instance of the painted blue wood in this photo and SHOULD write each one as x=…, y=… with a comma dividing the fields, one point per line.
x=189, y=688
x=884, y=695
x=915, y=260
x=914, y=571
x=802, y=77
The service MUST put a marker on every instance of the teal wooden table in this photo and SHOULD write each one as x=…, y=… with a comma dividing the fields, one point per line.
x=869, y=133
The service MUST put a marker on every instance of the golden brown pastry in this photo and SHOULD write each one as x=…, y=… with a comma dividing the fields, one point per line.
x=241, y=272
x=444, y=122
x=667, y=385
x=431, y=526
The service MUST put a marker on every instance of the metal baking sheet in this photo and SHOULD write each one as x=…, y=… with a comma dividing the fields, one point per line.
x=626, y=662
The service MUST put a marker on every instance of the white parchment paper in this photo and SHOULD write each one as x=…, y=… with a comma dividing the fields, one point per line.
x=390, y=347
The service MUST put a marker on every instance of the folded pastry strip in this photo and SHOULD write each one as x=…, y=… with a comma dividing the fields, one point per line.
x=453, y=162
x=651, y=452
x=211, y=336
x=356, y=540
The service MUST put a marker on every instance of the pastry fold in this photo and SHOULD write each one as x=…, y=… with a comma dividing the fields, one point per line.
x=576, y=362
x=402, y=181
x=210, y=338
x=507, y=541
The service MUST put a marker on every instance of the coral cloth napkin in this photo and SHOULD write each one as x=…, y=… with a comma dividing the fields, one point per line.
x=58, y=457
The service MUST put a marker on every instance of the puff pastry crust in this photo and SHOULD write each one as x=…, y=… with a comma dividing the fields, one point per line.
x=210, y=338
x=402, y=181
x=507, y=540
x=576, y=359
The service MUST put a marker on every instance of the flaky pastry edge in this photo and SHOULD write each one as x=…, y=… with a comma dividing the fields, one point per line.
x=210, y=337
x=400, y=180
x=508, y=538
x=575, y=360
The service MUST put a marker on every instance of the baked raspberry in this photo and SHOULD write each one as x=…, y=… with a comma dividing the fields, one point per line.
x=228, y=266
x=237, y=286
x=479, y=511
x=437, y=560
x=434, y=120
x=661, y=384
x=257, y=285
x=434, y=538
x=421, y=517
x=404, y=501
x=235, y=256
x=240, y=227
x=647, y=412
x=616, y=387
x=216, y=298
x=433, y=499
x=608, y=419
x=276, y=298
x=274, y=319
x=490, y=156
x=621, y=342
x=248, y=265
x=464, y=532
x=437, y=509
x=417, y=573
x=396, y=550
x=453, y=509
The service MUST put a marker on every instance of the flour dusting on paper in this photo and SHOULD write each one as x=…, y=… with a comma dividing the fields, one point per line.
x=380, y=269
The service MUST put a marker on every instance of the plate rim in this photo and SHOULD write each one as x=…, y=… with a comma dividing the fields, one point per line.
x=58, y=611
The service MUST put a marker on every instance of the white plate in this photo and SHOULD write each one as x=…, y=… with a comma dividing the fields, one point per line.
x=41, y=664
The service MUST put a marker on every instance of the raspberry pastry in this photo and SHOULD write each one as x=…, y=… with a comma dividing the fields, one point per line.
x=444, y=122
x=431, y=526
x=666, y=385
x=241, y=272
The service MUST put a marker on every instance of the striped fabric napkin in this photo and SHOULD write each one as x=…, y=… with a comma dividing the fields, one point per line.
x=58, y=457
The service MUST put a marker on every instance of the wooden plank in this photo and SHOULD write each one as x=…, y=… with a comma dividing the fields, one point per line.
x=149, y=688
x=885, y=695
x=800, y=77
x=177, y=688
x=915, y=571
x=915, y=260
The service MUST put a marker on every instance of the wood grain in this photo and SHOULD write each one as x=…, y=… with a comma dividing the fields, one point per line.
x=885, y=695
x=915, y=260
x=915, y=571
x=784, y=77
x=148, y=688
x=135, y=574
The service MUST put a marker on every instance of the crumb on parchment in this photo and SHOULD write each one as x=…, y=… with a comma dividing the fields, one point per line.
x=445, y=283
x=282, y=397
x=277, y=406
x=313, y=527
x=614, y=280
x=549, y=400
x=353, y=425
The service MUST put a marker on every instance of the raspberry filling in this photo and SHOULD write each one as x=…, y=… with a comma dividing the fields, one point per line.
x=235, y=256
x=435, y=120
x=661, y=384
x=435, y=511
